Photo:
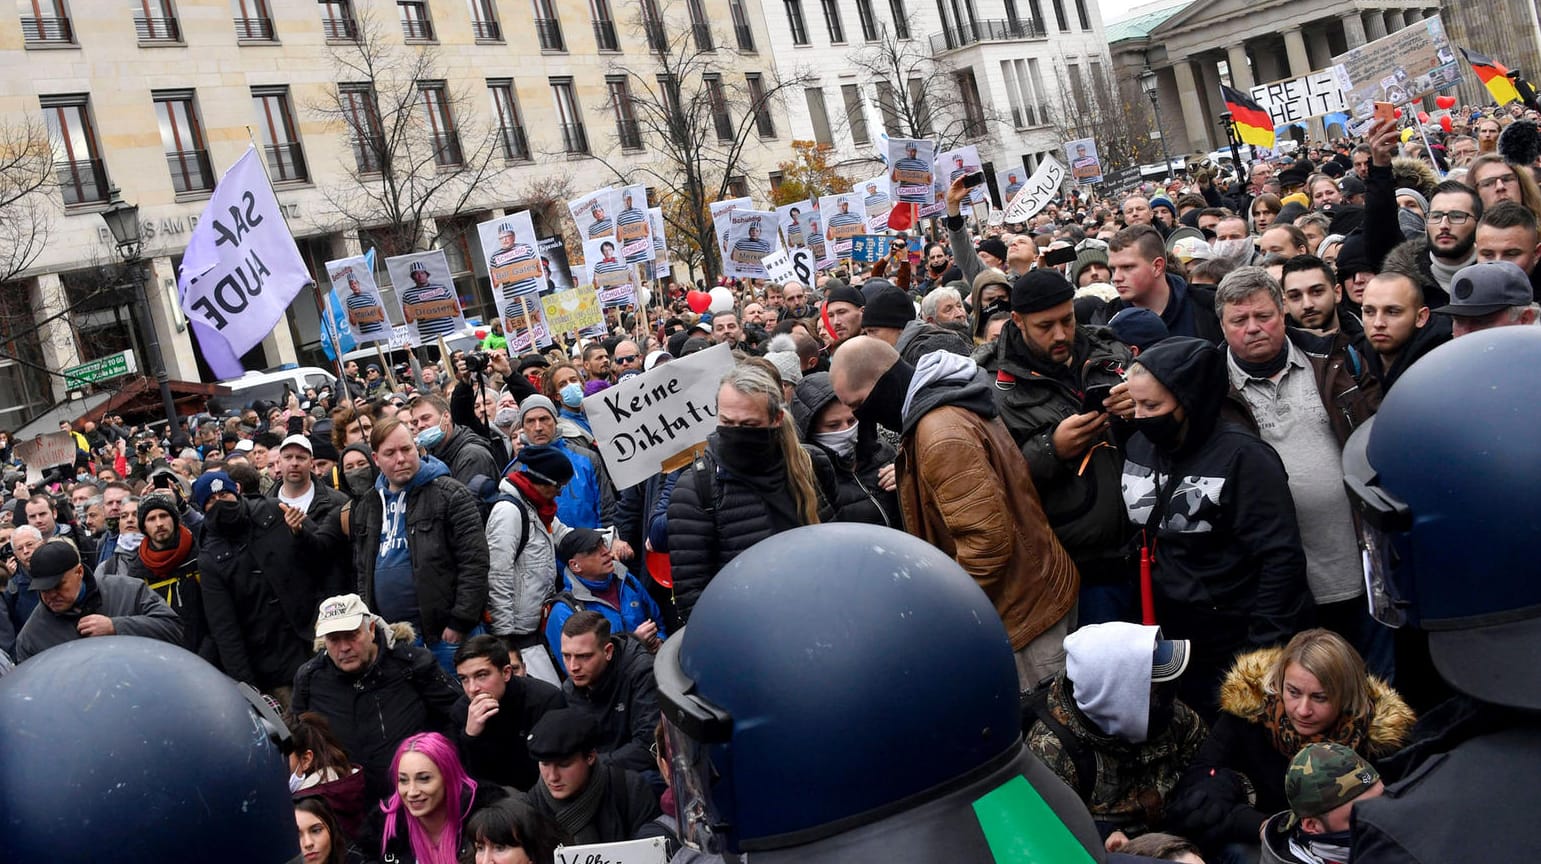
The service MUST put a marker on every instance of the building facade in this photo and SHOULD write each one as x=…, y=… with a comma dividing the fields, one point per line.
x=533, y=96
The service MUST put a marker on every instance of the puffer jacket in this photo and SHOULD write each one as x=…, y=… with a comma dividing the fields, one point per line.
x=636, y=608
x=1237, y=779
x=920, y=338
x=858, y=496
x=965, y=488
x=1080, y=492
x=467, y=454
x=518, y=588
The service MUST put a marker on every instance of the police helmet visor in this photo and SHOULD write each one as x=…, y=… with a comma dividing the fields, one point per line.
x=694, y=730
x=1383, y=520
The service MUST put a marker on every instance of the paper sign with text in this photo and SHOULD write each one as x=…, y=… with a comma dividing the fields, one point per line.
x=1295, y=99
x=791, y=265
x=1409, y=64
x=58, y=448
x=642, y=421
x=649, y=851
x=1038, y=192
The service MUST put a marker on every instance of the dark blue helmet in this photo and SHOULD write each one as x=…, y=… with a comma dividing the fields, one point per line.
x=134, y=751
x=1447, y=482
x=851, y=684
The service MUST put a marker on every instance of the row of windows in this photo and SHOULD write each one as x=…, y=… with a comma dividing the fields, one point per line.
x=82, y=173
x=155, y=21
x=871, y=28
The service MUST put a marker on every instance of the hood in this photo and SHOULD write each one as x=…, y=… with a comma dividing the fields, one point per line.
x=360, y=447
x=944, y=378
x=427, y=472
x=1195, y=372
x=922, y=337
x=1413, y=174
x=814, y=392
x=1243, y=691
x=1110, y=666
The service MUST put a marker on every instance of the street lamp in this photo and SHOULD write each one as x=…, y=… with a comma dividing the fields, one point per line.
x=122, y=220
x=1152, y=88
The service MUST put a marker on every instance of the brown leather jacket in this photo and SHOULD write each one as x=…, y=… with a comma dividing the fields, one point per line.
x=965, y=488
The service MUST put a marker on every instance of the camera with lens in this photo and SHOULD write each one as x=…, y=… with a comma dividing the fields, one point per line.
x=477, y=362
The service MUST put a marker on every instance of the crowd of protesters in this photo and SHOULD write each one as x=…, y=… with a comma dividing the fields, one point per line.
x=439, y=583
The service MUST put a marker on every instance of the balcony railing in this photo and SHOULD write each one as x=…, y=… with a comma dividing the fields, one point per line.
x=995, y=30
x=83, y=181
x=604, y=35
x=47, y=31
x=657, y=40
x=745, y=36
x=516, y=147
x=156, y=29
x=190, y=171
x=487, y=31
x=628, y=134
x=420, y=29
x=340, y=29
x=286, y=163
x=446, y=150
x=574, y=139
x=703, y=33
x=550, y=32
x=256, y=29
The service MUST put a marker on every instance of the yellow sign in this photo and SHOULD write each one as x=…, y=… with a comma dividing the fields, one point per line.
x=572, y=310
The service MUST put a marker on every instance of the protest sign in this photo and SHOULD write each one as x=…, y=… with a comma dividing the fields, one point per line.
x=553, y=263
x=823, y=250
x=649, y=851
x=1295, y=99
x=911, y=163
x=632, y=227
x=790, y=265
x=1039, y=190
x=354, y=289
x=572, y=310
x=518, y=279
x=58, y=448
x=843, y=219
x=1123, y=178
x=869, y=248
x=1406, y=65
x=241, y=269
x=954, y=163
x=790, y=218
x=1009, y=181
x=594, y=213
x=642, y=421
x=660, y=267
x=750, y=236
x=610, y=275
x=428, y=302
x=876, y=202
x=1085, y=164
x=718, y=208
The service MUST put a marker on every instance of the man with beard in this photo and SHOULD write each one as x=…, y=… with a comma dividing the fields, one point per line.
x=168, y=563
x=795, y=301
x=843, y=310
x=1311, y=297
x=1451, y=225
x=1051, y=378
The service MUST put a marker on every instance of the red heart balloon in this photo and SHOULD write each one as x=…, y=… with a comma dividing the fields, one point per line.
x=698, y=301
x=1444, y=123
x=1399, y=113
x=1445, y=102
x=1423, y=116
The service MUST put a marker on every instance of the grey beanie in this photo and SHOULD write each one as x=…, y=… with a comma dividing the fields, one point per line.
x=531, y=403
x=1416, y=196
x=788, y=364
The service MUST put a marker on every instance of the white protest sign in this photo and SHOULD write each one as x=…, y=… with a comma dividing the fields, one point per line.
x=1296, y=99
x=1039, y=190
x=649, y=851
x=790, y=265
x=642, y=421
x=46, y=451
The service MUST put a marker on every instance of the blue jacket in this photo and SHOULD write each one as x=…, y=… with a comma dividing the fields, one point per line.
x=637, y=606
x=577, y=417
x=579, y=505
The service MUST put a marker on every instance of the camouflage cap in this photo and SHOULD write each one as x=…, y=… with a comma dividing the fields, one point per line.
x=1323, y=777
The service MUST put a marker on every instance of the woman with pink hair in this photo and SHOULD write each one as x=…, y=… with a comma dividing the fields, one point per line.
x=424, y=822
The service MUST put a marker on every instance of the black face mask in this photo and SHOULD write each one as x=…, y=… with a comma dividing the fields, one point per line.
x=227, y=516
x=1163, y=430
x=754, y=450
x=360, y=481
x=885, y=404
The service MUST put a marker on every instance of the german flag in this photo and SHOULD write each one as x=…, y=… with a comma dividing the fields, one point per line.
x=1494, y=77
x=1253, y=124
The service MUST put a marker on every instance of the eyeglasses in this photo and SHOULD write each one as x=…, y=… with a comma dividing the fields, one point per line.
x=1500, y=180
x=1456, y=217
x=629, y=358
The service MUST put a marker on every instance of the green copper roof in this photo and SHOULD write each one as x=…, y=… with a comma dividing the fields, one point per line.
x=1139, y=25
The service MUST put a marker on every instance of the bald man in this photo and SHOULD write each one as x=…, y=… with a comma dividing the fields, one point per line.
x=966, y=489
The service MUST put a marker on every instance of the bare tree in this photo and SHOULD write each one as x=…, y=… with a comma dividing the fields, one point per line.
x=26, y=178
x=410, y=161
x=922, y=96
x=1116, y=115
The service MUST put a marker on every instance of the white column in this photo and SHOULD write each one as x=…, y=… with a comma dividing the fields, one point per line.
x=1241, y=73
x=160, y=288
x=1190, y=106
x=1353, y=30
x=1295, y=50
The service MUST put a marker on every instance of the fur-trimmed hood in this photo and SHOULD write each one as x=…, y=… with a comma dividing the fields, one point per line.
x=1414, y=174
x=399, y=632
x=1242, y=694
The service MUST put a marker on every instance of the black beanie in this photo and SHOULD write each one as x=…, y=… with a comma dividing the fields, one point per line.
x=993, y=245
x=889, y=307
x=162, y=500
x=1037, y=290
x=842, y=293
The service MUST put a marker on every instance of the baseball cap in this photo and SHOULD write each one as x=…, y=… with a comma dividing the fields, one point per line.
x=1323, y=777
x=341, y=614
x=577, y=542
x=50, y=562
x=298, y=441
x=561, y=733
x=244, y=445
x=1169, y=661
x=1487, y=287
x=1192, y=248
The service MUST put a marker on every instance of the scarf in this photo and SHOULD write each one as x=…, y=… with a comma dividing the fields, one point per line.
x=1444, y=273
x=576, y=815
x=545, y=507
x=1350, y=731
x=163, y=561
x=1319, y=848
x=1266, y=369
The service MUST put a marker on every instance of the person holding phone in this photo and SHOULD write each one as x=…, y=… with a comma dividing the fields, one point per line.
x=1053, y=379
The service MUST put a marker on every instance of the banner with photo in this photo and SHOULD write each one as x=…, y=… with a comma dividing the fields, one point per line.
x=609, y=273
x=660, y=266
x=1085, y=164
x=1009, y=181
x=954, y=163
x=512, y=254
x=813, y=236
x=594, y=213
x=876, y=202
x=911, y=168
x=429, y=305
x=844, y=218
x=553, y=263
x=354, y=289
x=790, y=217
x=751, y=235
x=631, y=225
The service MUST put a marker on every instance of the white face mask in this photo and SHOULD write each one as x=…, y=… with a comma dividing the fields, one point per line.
x=842, y=442
x=295, y=780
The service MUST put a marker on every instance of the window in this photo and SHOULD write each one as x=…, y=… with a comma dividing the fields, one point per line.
x=1101, y=91
x=77, y=162
x=901, y=18
x=741, y=29
x=973, y=109
x=252, y=21
x=156, y=21
x=1038, y=91
x=510, y=125
x=626, y=131
x=363, y=116
x=337, y=21
x=182, y=139
x=738, y=187
x=48, y=23
x=1029, y=101
x=920, y=106
x=764, y=124
x=1036, y=7
x=574, y=139
x=652, y=25
x=699, y=25
x=869, y=24
x=1077, y=84
x=889, y=108
x=1012, y=21
x=548, y=26
x=796, y=23
x=776, y=179
x=441, y=124
x=819, y=116
x=832, y=21
x=718, y=102
x=1013, y=95
x=280, y=137
x=855, y=114
x=604, y=26
x=415, y=23
x=1059, y=16
x=1080, y=14
x=484, y=20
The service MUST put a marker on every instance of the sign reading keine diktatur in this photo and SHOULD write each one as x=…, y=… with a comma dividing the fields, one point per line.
x=642, y=421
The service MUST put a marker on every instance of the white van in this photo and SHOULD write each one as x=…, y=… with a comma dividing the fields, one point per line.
x=272, y=386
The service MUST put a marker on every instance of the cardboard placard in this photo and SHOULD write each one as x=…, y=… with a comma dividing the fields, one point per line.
x=56, y=448
x=649, y=851
x=1409, y=64
x=1295, y=99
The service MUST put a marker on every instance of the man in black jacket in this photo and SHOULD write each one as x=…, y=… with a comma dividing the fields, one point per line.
x=594, y=802
x=611, y=680
x=318, y=502
x=466, y=453
x=493, y=726
x=167, y=561
x=374, y=687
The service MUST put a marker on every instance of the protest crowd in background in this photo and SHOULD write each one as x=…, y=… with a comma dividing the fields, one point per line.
x=1127, y=411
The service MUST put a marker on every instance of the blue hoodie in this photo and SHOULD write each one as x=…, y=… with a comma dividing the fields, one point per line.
x=395, y=589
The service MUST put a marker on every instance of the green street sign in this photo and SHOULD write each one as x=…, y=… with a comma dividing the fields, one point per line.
x=111, y=366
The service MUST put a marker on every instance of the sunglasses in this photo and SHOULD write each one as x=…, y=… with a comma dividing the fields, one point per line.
x=629, y=358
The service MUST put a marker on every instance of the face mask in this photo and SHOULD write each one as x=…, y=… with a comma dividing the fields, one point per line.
x=572, y=395
x=360, y=481
x=430, y=437
x=129, y=541
x=295, y=781
x=225, y=514
x=1164, y=430
x=1237, y=250
x=755, y=448
x=842, y=442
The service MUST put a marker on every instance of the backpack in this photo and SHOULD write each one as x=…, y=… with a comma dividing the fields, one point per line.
x=1035, y=708
x=489, y=493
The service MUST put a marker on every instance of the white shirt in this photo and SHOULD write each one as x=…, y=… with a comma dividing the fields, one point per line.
x=301, y=503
